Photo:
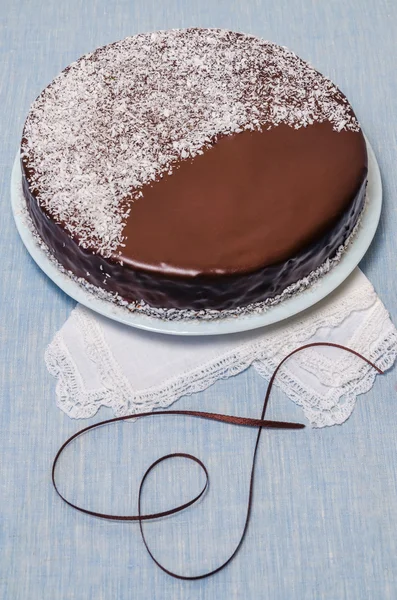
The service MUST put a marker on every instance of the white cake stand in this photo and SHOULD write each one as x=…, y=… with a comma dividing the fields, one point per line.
x=285, y=309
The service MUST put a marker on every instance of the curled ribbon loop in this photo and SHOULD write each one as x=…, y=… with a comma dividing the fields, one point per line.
x=260, y=423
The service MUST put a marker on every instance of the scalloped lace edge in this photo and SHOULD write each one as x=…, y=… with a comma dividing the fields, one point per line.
x=116, y=391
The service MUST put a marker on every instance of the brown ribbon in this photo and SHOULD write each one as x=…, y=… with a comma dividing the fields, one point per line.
x=260, y=423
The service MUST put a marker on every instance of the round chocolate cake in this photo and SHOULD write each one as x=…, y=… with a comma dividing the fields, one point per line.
x=194, y=169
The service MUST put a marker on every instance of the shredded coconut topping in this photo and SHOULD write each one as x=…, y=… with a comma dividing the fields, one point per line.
x=117, y=119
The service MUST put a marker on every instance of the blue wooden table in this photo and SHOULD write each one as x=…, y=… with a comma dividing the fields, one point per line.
x=324, y=524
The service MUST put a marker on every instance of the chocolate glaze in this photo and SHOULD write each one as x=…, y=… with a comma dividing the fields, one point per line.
x=252, y=215
x=254, y=199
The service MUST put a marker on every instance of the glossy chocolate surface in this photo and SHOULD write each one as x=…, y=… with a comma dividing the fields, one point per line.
x=230, y=227
x=253, y=200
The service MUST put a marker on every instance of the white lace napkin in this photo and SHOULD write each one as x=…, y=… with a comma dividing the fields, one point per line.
x=98, y=362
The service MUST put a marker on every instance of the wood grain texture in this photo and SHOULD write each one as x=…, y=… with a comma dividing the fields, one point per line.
x=325, y=511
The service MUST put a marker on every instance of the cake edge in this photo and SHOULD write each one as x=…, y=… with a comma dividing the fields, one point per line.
x=205, y=314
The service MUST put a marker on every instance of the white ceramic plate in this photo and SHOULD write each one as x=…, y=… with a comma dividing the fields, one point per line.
x=288, y=308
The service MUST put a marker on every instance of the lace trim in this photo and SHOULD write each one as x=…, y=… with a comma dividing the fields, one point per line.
x=72, y=397
x=338, y=372
x=337, y=406
x=344, y=383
